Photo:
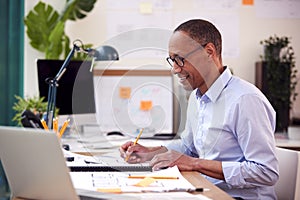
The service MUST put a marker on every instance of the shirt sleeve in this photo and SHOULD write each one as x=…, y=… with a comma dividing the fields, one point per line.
x=254, y=128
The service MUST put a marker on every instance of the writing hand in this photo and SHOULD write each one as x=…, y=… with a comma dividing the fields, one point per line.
x=135, y=153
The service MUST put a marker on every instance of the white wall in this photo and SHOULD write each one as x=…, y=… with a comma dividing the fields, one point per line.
x=251, y=31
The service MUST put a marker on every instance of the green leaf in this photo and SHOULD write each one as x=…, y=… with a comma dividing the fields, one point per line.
x=56, y=39
x=40, y=22
x=77, y=9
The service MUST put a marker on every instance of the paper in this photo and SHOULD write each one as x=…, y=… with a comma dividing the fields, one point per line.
x=145, y=8
x=112, y=158
x=116, y=181
x=274, y=9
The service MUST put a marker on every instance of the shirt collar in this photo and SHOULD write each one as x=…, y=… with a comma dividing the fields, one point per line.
x=217, y=87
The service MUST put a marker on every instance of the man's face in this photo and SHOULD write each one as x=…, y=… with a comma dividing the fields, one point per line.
x=195, y=67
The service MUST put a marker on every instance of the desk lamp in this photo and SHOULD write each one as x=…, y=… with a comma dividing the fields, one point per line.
x=101, y=53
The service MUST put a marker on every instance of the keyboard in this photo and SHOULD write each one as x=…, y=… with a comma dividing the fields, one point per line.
x=110, y=168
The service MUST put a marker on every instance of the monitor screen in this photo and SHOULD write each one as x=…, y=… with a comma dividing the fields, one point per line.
x=75, y=91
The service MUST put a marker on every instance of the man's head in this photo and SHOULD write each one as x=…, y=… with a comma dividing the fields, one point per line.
x=195, y=54
x=202, y=32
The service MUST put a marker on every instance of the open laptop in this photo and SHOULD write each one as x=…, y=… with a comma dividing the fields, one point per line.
x=36, y=168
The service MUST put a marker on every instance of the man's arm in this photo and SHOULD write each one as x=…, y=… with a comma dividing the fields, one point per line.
x=171, y=158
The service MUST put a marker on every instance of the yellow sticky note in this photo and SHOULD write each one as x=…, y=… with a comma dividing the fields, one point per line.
x=145, y=182
x=146, y=105
x=146, y=7
x=124, y=92
x=110, y=190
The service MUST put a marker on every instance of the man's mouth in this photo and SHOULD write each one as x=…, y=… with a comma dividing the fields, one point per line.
x=183, y=78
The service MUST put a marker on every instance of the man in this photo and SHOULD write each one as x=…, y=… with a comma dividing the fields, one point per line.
x=229, y=133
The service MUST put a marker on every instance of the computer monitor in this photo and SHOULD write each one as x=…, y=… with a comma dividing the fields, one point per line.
x=75, y=91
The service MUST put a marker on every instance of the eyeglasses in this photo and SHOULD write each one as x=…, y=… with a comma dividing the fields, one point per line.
x=180, y=60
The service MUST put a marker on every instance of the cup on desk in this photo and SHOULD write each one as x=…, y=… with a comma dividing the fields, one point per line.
x=294, y=132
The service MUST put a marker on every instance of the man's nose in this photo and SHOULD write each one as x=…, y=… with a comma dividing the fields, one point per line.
x=176, y=69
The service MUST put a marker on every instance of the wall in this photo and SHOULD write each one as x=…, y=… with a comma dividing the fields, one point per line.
x=251, y=30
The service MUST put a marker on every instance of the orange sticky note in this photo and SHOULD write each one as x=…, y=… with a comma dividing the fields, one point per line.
x=145, y=105
x=145, y=182
x=248, y=2
x=124, y=92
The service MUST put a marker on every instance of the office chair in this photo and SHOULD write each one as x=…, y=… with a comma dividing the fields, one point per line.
x=288, y=185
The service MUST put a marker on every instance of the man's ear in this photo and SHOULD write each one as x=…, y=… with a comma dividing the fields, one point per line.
x=210, y=49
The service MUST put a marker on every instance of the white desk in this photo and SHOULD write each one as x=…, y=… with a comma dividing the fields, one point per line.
x=283, y=141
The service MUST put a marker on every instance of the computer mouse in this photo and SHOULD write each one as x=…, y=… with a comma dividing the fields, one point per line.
x=115, y=133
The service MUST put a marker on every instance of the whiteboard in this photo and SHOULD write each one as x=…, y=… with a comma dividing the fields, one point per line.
x=128, y=100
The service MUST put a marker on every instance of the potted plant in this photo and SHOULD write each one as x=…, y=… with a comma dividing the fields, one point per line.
x=35, y=104
x=276, y=77
x=46, y=27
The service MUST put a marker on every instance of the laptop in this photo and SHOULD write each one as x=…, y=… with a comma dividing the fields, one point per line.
x=35, y=166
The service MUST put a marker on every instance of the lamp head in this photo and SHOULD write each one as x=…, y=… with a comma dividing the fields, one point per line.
x=106, y=53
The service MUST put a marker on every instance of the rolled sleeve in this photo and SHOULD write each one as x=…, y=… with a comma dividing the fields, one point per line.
x=232, y=174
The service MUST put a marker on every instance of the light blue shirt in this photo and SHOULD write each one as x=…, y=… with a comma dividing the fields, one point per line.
x=233, y=122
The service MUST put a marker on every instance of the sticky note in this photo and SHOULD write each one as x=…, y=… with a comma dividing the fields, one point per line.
x=145, y=105
x=146, y=7
x=125, y=92
x=248, y=2
x=145, y=182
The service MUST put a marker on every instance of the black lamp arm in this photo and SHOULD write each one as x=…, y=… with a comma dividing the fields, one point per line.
x=53, y=84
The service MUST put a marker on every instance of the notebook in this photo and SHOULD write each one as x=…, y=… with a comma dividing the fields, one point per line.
x=35, y=166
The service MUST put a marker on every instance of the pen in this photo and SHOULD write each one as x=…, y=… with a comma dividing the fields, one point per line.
x=155, y=177
x=136, y=140
x=63, y=128
x=44, y=124
x=133, y=190
x=187, y=190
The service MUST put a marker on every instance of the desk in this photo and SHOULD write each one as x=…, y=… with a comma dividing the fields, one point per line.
x=192, y=176
x=284, y=142
x=198, y=181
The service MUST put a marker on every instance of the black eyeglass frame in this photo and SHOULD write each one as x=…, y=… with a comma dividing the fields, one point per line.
x=180, y=60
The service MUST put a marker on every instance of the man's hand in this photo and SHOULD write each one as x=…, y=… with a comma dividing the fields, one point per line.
x=172, y=158
x=139, y=153
x=135, y=153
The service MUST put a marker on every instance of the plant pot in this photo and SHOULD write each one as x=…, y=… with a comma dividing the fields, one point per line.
x=273, y=79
